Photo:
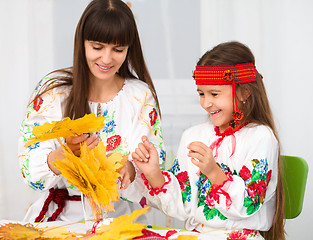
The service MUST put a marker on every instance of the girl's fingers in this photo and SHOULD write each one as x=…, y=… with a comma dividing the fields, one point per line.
x=197, y=147
x=195, y=162
x=136, y=157
x=150, y=147
x=196, y=155
x=142, y=152
x=144, y=138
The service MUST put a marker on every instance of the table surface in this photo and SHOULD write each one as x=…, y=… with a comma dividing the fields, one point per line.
x=83, y=227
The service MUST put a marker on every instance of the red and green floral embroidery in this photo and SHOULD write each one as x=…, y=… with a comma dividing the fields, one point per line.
x=241, y=234
x=205, y=187
x=149, y=116
x=155, y=124
x=108, y=134
x=256, y=184
x=113, y=142
x=185, y=188
x=183, y=180
x=153, y=115
x=38, y=100
x=37, y=103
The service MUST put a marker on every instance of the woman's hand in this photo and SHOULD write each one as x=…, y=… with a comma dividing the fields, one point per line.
x=146, y=158
x=54, y=156
x=202, y=156
x=74, y=142
x=128, y=174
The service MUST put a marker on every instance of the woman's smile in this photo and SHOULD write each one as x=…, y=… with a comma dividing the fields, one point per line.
x=104, y=68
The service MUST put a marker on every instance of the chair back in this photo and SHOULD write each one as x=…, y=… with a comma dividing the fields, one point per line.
x=294, y=177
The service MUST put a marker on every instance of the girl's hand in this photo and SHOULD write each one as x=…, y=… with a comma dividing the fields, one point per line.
x=128, y=174
x=202, y=156
x=74, y=142
x=146, y=158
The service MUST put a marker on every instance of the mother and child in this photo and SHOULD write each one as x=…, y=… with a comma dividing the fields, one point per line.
x=226, y=178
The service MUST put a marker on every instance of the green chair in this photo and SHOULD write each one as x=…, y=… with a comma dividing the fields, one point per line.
x=294, y=176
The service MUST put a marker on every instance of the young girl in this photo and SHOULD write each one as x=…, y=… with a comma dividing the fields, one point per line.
x=226, y=179
x=109, y=78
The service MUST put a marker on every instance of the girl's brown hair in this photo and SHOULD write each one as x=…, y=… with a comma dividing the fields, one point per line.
x=257, y=110
x=106, y=21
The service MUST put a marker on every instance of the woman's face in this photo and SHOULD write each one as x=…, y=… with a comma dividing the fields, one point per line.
x=104, y=59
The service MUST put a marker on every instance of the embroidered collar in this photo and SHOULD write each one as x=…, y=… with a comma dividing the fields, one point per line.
x=229, y=131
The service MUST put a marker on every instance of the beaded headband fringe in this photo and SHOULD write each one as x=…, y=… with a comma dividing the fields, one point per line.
x=224, y=75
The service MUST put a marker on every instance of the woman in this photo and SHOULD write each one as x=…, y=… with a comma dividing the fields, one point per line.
x=109, y=77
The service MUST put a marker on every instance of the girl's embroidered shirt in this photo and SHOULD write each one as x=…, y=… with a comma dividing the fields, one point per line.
x=245, y=201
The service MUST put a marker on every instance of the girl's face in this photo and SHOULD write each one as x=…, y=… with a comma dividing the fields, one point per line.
x=104, y=59
x=217, y=101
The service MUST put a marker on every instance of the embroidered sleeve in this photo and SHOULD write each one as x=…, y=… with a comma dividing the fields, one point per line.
x=251, y=188
x=214, y=193
x=148, y=123
x=256, y=182
x=33, y=159
x=183, y=180
x=210, y=194
x=156, y=191
x=168, y=198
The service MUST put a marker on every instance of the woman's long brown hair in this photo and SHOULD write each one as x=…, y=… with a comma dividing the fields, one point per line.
x=257, y=110
x=106, y=21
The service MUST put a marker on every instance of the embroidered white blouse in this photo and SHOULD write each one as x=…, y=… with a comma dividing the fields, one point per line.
x=131, y=114
x=243, y=203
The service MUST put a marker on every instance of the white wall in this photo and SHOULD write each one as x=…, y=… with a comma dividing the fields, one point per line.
x=26, y=54
x=37, y=37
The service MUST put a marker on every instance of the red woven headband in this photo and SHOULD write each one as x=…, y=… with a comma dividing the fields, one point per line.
x=223, y=75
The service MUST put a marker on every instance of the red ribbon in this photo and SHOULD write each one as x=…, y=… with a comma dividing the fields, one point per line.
x=228, y=132
x=59, y=196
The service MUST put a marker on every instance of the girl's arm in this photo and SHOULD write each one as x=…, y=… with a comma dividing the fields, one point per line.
x=145, y=122
x=249, y=191
x=146, y=158
x=169, y=191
